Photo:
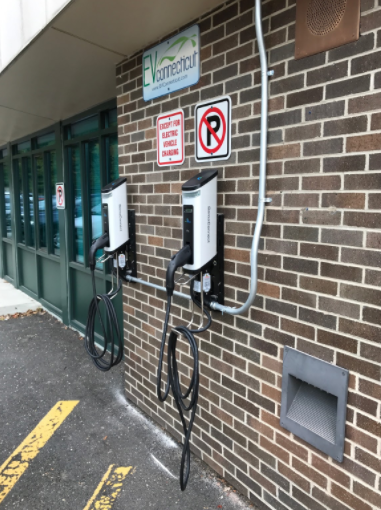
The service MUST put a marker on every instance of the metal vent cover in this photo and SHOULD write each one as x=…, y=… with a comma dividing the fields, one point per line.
x=325, y=24
x=314, y=401
x=323, y=16
x=315, y=410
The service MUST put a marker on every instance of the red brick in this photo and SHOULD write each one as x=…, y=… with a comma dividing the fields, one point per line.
x=348, y=498
x=337, y=341
x=330, y=470
x=323, y=182
x=364, y=143
x=356, y=365
x=359, y=437
x=370, y=22
x=284, y=151
x=280, y=453
x=310, y=473
x=369, y=425
x=344, y=200
x=372, y=497
x=294, y=477
x=292, y=447
x=365, y=103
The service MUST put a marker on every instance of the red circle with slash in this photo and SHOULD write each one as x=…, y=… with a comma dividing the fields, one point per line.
x=204, y=120
x=60, y=197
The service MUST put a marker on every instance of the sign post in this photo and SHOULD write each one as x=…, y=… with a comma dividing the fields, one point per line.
x=170, y=138
x=213, y=130
x=60, y=195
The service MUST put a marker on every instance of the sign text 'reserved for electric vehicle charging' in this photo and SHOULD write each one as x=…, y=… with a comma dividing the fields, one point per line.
x=172, y=65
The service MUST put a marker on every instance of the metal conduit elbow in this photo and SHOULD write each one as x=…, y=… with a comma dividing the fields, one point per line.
x=262, y=174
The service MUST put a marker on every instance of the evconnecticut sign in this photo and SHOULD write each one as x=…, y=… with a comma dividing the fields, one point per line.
x=172, y=65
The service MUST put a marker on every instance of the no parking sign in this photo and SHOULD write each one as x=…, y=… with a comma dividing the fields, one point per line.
x=213, y=130
x=60, y=195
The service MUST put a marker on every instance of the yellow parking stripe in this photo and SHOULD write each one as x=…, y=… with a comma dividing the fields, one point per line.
x=16, y=465
x=108, y=489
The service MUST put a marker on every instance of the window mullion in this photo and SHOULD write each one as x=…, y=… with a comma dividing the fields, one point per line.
x=85, y=174
x=24, y=170
x=48, y=202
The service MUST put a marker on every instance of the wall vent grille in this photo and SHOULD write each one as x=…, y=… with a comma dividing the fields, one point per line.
x=325, y=24
x=323, y=16
x=314, y=401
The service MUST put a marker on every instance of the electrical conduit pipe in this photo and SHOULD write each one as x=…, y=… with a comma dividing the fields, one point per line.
x=262, y=174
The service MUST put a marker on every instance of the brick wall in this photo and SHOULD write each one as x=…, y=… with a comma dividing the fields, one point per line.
x=320, y=283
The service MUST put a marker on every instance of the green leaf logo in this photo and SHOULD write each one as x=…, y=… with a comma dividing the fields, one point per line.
x=179, y=43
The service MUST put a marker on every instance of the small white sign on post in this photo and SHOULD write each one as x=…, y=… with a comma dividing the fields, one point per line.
x=60, y=195
x=170, y=138
x=213, y=130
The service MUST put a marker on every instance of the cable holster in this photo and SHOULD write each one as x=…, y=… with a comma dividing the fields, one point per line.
x=181, y=258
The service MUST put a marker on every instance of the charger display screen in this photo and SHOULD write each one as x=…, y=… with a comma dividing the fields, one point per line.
x=105, y=218
x=188, y=227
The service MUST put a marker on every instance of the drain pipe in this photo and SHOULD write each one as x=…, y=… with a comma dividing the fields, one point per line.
x=262, y=174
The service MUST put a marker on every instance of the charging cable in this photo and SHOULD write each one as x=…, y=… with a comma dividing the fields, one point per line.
x=109, y=324
x=173, y=379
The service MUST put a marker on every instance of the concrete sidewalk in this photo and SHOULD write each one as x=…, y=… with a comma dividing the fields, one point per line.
x=15, y=301
x=43, y=362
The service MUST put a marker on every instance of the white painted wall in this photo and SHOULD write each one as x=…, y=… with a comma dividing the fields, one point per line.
x=21, y=21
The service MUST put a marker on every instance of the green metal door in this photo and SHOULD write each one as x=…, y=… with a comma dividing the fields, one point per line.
x=7, y=244
x=39, y=226
x=91, y=161
x=43, y=250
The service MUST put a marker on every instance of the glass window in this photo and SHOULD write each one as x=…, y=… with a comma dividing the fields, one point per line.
x=44, y=140
x=112, y=157
x=39, y=166
x=30, y=201
x=22, y=148
x=95, y=193
x=111, y=118
x=83, y=127
x=7, y=196
x=3, y=153
x=53, y=180
x=75, y=172
x=20, y=175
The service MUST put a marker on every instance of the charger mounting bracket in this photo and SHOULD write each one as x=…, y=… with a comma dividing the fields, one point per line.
x=129, y=249
x=216, y=268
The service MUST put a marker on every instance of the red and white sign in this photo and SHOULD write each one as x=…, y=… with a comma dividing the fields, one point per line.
x=60, y=195
x=213, y=130
x=170, y=138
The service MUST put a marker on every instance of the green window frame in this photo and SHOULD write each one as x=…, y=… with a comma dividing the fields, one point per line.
x=34, y=163
x=91, y=160
x=6, y=202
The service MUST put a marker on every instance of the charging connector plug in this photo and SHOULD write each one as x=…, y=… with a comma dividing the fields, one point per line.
x=99, y=243
x=181, y=258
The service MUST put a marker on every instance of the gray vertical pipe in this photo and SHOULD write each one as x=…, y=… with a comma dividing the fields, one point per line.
x=262, y=174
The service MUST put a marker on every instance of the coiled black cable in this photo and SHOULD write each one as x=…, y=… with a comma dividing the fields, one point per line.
x=173, y=381
x=111, y=332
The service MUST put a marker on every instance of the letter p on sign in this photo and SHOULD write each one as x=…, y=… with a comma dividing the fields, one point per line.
x=213, y=130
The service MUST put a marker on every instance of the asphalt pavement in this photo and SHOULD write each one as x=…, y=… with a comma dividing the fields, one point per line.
x=42, y=363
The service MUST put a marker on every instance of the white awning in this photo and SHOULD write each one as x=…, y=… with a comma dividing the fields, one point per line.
x=70, y=66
